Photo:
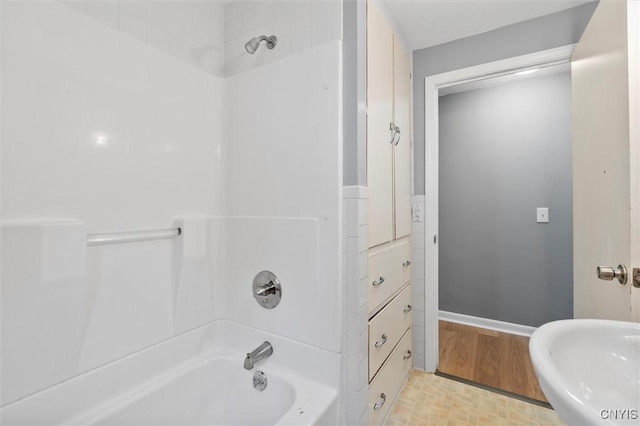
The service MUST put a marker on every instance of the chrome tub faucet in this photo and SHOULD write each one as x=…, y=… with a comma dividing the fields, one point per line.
x=260, y=353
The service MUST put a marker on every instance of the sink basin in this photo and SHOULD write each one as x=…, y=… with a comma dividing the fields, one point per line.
x=589, y=370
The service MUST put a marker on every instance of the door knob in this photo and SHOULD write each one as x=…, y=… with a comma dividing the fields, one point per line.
x=608, y=273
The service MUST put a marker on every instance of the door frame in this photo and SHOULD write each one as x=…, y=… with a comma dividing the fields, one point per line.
x=432, y=85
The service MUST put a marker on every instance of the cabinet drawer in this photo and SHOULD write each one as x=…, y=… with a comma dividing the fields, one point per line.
x=387, y=328
x=389, y=380
x=389, y=270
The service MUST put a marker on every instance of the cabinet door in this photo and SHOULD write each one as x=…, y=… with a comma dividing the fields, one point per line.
x=379, y=116
x=402, y=150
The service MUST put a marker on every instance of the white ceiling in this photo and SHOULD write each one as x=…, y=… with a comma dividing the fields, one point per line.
x=425, y=23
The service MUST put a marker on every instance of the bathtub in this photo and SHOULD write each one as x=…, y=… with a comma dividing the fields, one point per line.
x=195, y=379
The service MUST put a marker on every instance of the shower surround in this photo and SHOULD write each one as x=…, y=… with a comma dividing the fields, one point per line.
x=108, y=134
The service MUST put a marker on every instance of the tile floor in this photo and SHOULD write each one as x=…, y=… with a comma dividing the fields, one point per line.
x=428, y=399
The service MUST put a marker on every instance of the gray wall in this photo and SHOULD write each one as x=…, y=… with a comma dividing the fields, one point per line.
x=546, y=32
x=354, y=16
x=504, y=151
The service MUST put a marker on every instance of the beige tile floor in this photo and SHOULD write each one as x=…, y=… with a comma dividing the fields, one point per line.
x=428, y=399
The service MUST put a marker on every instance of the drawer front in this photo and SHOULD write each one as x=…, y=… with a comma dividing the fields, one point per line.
x=389, y=380
x=389, y=270
x=387, y=328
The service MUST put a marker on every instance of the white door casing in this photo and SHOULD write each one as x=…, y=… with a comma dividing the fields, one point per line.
x=606, y=86
x=633, y=29
x=432, y=85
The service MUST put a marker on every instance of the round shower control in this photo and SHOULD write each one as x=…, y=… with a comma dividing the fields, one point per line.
x=267, y=289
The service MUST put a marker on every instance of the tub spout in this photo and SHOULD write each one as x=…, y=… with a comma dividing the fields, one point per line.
x=260, y=353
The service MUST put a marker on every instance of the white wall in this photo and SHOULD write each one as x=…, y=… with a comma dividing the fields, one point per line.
x=283, y=161
x=114, y=136
x=354, y=391
x=191, y=30
x=418, y=241
x=211, y=34
x=106, y=134
x=298, y=25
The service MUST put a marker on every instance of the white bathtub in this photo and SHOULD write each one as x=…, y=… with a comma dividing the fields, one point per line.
x=195, y=379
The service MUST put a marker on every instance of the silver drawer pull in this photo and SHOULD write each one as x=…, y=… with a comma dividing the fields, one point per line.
x=408, y=309
x=378, y=405
x=377, y=283
x=407, y=263
x=407, y=356
x=381, y=342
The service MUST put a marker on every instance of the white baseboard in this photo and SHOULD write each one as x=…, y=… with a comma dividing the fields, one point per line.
x=490, y=324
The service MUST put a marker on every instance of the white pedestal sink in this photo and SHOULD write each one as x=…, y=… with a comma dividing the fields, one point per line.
x=589, y=370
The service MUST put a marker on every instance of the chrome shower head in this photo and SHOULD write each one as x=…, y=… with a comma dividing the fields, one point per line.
x=252, y=45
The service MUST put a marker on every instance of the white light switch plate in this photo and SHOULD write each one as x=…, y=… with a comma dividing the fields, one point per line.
x=418, y=212
x=542, y=214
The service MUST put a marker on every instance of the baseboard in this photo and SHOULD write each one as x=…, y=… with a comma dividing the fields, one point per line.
x=490, y=324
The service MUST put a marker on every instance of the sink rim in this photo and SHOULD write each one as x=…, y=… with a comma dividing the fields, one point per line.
x=561, y=394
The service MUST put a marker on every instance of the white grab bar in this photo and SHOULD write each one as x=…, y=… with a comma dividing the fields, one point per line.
x=132, y=237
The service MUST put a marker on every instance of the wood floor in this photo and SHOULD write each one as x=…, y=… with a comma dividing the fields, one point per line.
x=488, y=357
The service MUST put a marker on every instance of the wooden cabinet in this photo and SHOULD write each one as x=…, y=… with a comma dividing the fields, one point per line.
x=386, y=329
x=389, y=163
x=379, y=118
x=402, y=158
x=388, y=383
x=389, y=270
x=389, y=179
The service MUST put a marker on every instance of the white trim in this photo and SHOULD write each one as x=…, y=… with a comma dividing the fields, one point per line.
x=354, y=192
x=505, y=66
x=431, y=228
x=432, y=85
x=489, y=324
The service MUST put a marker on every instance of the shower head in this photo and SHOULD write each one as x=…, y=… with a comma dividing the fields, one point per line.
x=252, y=45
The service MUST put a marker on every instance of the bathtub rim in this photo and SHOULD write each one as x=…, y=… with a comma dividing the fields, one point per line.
x=68, y=400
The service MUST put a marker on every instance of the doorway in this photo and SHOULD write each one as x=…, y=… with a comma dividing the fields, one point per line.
x=480, y=347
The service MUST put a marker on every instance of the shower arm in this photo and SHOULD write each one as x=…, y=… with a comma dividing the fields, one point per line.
x=270, y=41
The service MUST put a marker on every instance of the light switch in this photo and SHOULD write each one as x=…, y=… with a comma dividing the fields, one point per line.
x=542, y=214
x=418, y=212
